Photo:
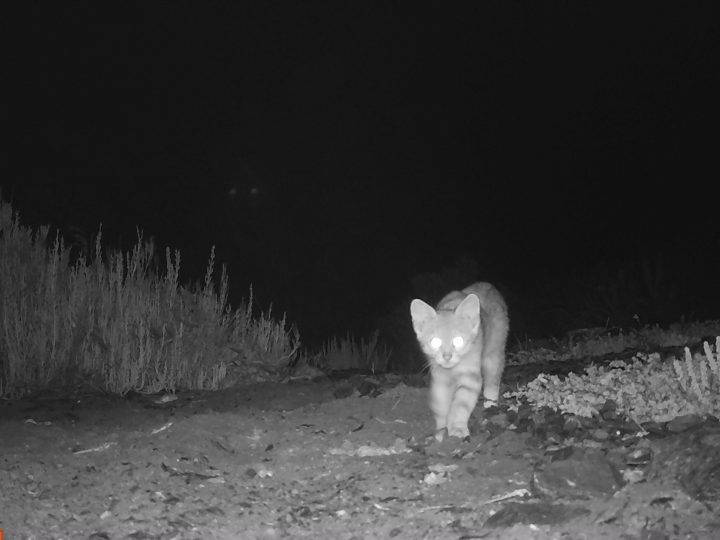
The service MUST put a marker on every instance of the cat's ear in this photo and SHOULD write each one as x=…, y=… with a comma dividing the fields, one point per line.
x=469, y=309
x=420, y=313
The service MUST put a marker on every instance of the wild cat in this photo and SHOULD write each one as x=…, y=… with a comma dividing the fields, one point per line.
x=464, y=340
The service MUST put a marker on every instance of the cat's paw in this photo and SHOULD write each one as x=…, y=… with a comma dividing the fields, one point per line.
x=490, y=403
x=461, y=432
x=440, y=434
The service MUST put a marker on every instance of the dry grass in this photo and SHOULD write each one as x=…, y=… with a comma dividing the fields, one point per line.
x=119, y=325
x=348, y=353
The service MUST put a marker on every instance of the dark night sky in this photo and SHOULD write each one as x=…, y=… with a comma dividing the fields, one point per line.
x=331, y=153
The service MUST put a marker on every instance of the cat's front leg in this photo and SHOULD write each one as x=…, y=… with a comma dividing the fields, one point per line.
x=463, y=403
x=440, y=399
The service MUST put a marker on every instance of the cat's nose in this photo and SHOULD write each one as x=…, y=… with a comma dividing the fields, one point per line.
x=447, y=356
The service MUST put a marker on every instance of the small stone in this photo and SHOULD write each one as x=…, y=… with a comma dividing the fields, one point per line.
x=609, y=410
x=608, y=406
x=639, y=456
x=633, y=475
x=369, y=386
x=541, y=513
x=600, y=435
x=585, y=474
x=499, y=420
x=629, y=427
x=343, y=391
x=525, y=411
x=571, y=425
x=655, y=428
x=539, y=418
x=557, y=453
x=611, y=416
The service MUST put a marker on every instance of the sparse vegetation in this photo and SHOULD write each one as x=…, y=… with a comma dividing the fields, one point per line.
x=117, y=324
x=644, y=389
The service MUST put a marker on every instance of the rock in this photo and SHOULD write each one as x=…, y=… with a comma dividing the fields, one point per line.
x=541, y=513
x=344, y=391
x=539, y=417
x=655, y=428
x=499, y=420
x=684, y=422
x=639, y=457
x=585, y=474
x=636, y=464
x=522, y=418
x=692, y=460
x=609, y=411
x=369, y=386
x=629, y=427
x=608, y=406
x=558, y=453
x=571, y=425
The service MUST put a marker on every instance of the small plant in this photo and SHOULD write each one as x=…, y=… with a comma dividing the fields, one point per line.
x=700, y=375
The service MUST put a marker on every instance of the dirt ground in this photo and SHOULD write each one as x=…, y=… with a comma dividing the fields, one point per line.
x=297, y=460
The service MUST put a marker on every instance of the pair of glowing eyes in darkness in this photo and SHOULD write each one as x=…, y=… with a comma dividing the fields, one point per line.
x=436, y=342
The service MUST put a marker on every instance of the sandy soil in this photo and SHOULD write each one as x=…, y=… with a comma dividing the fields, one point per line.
x=281, y=461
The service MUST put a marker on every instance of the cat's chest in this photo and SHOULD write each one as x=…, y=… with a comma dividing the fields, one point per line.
x=468, y=365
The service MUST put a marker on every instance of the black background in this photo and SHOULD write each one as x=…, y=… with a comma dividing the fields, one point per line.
x=337, y=154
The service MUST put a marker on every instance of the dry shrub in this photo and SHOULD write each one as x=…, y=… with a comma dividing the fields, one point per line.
x=118, y=324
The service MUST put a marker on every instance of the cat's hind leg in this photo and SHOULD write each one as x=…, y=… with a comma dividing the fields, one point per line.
x=493, y=358
x=493, y=366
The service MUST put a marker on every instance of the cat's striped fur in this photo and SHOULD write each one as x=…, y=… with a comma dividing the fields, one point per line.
x=464, y=340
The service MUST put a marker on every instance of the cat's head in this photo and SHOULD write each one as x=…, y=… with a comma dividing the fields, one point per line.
x=446, y=335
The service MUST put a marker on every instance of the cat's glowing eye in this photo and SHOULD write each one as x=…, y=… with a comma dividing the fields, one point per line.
x=458, y=342
x=436, y=343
